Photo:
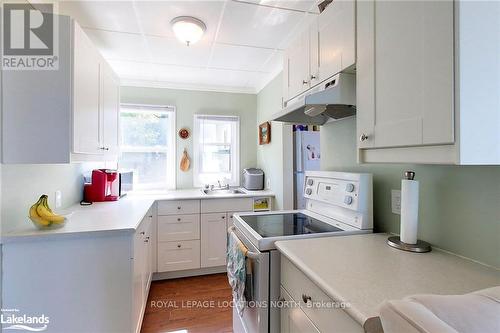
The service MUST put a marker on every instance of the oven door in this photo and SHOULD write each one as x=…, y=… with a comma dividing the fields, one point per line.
x=255, y=317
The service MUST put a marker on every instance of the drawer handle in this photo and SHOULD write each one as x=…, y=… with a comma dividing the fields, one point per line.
x=179, y=246
x=223, y=217
x=150, y=216
x=363, y=137
x=179, y=207
x=178, y=219
x=306, y=298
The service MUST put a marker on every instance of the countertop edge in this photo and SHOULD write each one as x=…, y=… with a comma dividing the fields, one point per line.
x=336, y=296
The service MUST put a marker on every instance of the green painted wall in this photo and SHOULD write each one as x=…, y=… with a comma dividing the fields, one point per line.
x=188, y=103
x=459, y=205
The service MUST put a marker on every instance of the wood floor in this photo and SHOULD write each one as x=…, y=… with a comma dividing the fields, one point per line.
x=188, y=305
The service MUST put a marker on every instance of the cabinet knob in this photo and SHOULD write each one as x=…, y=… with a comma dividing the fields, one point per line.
x=179, y=246
x=150, y=216
x=305, y=82
x=178, y=219
x=363, y=137
x=103, y=148
x=223, y=217
x=306, y=298
x=313, y=77
x=142, y=233
x=179, y=207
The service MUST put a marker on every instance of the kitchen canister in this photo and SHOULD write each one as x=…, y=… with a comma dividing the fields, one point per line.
x=408, y=241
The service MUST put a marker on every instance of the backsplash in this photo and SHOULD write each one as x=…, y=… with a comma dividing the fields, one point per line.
x=459, y=205
x=23, y=184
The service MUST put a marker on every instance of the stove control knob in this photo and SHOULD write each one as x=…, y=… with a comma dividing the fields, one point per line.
x=349, y=187
x=310, y=182
x=348, y=200
x=309, y=191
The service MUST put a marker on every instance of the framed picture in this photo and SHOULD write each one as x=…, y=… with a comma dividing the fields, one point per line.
x=264, y=133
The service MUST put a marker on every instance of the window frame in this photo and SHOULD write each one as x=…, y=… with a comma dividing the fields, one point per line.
x=171, y=152
x=235, y=146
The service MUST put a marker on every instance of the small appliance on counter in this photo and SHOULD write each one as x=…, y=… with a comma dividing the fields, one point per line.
x=126, y=182
x=104, y=186
x=253, y=179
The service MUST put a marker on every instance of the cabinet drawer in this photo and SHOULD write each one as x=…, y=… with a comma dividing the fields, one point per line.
x=227, y=205
x=175, y=256
x=178, y=227
x=324, y=318
x=178, y=207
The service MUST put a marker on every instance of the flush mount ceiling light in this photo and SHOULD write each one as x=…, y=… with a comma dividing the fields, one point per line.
x=188, y=29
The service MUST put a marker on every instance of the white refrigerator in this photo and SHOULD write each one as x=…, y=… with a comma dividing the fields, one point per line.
x=306, y=158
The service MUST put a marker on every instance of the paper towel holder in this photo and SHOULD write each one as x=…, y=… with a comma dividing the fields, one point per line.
x=420, y=247
x=395, y=241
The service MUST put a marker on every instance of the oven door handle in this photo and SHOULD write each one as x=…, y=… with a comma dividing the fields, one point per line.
x=244, y=249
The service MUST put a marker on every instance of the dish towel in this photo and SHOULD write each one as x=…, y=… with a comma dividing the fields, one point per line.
x=236, y=271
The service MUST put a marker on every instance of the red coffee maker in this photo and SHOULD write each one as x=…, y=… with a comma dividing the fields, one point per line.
x=104, y=186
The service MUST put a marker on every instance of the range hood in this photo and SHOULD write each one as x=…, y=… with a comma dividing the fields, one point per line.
x=335, y=98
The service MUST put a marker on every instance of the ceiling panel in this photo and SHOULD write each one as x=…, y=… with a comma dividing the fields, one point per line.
x=303, y=5
x=108, y=15
x=239, y=57
x=155, y=16
x=274, y=63
x=256, y=25
x=120, y=46
x=171, y=51
x=132, y=70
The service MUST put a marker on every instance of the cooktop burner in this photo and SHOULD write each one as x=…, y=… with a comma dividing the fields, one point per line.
x=275, y=225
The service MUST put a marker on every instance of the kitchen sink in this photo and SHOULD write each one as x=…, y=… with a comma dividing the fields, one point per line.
x=216, y=192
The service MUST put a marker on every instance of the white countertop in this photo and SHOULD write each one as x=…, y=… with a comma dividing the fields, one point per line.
x=364, y=271
x=197, y=194
x=123, y=215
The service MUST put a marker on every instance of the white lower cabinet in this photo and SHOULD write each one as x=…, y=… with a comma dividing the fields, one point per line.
x=88, y=282
x=293, y=319
x=315, y=311
x=192, y=234
x=142, y=269
x=180, y=255
x=213, y=239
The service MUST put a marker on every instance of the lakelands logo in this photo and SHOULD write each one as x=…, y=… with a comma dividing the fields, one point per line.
x=12, y=319
x=29, y=37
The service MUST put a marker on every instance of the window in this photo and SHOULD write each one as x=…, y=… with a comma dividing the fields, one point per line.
x=148, y=145
x=216, y=141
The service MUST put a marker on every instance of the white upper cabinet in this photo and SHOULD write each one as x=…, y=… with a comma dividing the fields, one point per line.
x=86, y=103
x=336, y=34
x=64, y=115
x=411, y=59
x=414, y=73
x=324, y=48
x=298, y=65
x=110, y=106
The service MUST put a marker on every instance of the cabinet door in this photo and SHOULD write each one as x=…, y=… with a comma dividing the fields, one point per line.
x=314, y=74
x=298, y=62
x=110, y=105
x=138, y=277
x=86, y=88
x=336, y=26
x=213, y=239
x=405, y=65
x=293, y=319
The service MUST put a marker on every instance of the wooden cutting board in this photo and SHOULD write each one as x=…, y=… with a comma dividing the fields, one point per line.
x=185, y=162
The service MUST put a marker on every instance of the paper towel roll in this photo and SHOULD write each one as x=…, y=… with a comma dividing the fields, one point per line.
x=409, y=211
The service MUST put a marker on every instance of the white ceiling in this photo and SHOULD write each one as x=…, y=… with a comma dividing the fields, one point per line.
x=241, y=50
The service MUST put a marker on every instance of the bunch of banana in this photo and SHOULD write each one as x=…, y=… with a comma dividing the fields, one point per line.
x=41, y=213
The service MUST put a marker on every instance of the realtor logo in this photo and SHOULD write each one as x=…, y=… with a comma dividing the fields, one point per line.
x=28, y=41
